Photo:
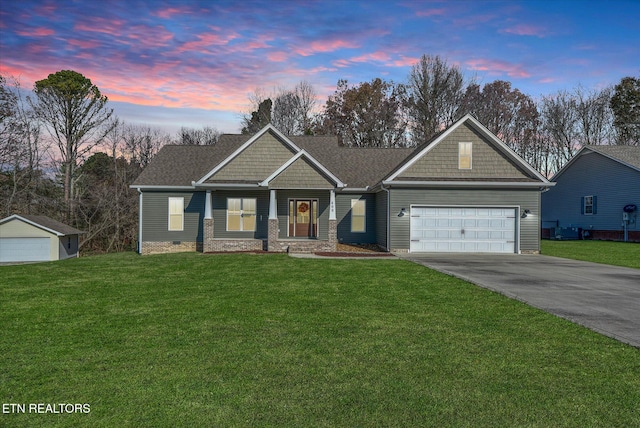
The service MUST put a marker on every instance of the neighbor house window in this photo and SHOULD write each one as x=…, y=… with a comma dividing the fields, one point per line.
x=589, y=205
x=464, y=155
x=358, y=215
x=176, y=214
x=241, y=214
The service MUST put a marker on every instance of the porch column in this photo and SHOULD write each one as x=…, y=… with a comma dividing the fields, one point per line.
x=274, y=226
x=207, y=205
x=273, y=205
x=333, y=222
x=207, y=244
x=332, y=205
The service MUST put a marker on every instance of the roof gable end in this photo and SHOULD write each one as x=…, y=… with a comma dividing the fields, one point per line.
x=501, y=162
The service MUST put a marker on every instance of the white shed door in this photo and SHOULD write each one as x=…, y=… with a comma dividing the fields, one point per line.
x=458, y=230
x=24, y=249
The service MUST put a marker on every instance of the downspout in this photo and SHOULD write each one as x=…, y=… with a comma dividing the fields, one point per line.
x=388, y=216
x=140, y=221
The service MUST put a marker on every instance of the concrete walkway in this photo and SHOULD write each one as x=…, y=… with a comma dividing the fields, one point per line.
x=600, y=297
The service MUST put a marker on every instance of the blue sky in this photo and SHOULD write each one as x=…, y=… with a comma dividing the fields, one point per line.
x=194, y=63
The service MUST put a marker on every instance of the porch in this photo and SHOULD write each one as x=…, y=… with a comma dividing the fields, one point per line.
x=300, y=221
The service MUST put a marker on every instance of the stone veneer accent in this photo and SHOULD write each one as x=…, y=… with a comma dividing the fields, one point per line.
x=220, y=245
x=168, y=247
x=207, y=245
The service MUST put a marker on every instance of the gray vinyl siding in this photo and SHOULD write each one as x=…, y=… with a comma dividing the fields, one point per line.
x=343, y=215
x=381, y=218
x=219, y=206
x=283, y=197
x=155, y=217
x=615, y=185
x=529, y=239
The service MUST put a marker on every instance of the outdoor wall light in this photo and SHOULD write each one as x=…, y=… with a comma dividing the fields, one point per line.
x=402, y=212
x=525, y=213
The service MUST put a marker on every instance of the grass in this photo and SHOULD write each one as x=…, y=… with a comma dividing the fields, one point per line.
x=268, y=340
x=607, y=252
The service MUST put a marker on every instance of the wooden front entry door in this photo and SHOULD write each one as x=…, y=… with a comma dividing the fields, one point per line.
x=303, y=218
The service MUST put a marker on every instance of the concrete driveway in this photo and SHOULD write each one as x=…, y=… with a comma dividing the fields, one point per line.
x=603, y=298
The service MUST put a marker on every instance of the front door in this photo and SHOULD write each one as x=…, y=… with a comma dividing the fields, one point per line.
x=303, y=218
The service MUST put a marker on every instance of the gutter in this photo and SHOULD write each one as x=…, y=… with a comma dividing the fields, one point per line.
x=471, y=184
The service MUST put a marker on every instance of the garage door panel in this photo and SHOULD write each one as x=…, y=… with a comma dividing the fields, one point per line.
x=24, y=249
x=465, y=229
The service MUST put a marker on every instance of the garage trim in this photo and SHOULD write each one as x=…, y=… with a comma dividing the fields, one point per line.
x=450, y=243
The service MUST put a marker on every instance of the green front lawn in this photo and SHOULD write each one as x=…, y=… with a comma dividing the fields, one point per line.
x=607, y=252
x=268, y=340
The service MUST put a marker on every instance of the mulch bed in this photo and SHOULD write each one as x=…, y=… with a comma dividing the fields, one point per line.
x=356, y=250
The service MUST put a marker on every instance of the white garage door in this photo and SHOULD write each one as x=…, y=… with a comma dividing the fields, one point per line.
x=456, y=230
x=24, y=249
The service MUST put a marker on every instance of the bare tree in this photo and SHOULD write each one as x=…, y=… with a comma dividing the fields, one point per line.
x=434, y=93
x=141, y=143
x=198, y=137
x=595, y=115
x=560, y=127
x=21, y=148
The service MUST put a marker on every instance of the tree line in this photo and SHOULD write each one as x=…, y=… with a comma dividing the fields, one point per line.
x=63, y=153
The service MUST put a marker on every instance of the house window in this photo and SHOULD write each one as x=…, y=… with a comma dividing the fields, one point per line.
x=589, y=205
x=358, y=215
x=464, y=155
x=176, y=214
x=241, y=214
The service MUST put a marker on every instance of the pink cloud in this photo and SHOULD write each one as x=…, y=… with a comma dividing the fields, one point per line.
x=325, y=46
x=101, y=25
x=83, y=44
x=170, y=12
x=526, y=30
x=430, y=12
x=277, y=56
x=41, y=32
x=496, y=67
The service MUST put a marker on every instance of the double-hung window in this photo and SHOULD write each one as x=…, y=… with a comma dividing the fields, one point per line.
x=358, y=215
x=241, y=214
x=176, y=214
x=589, y=205
x=464, y=155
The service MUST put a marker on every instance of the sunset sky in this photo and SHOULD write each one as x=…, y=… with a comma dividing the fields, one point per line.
x=194, y=63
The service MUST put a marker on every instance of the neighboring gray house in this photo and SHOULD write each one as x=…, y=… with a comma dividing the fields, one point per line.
x=591, y=193
x=36, y=238
x=463, y=191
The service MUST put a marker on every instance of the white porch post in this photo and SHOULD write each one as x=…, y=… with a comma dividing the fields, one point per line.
x=332, y=205
x=207, y=205
x=273, y=206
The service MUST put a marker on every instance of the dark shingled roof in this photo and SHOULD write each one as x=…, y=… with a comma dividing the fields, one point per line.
x=51, y=224
x=356, y=167
x=626, y=154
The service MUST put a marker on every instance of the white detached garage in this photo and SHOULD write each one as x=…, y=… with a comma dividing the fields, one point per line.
x=30, y=238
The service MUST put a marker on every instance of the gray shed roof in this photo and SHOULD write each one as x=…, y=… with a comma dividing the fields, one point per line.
x=47, y=223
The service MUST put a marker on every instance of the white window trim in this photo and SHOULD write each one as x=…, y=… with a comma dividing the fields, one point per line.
x=364, y=216
x=242, y=229
x=460, y=145
x=584, y=207
x=181, y=199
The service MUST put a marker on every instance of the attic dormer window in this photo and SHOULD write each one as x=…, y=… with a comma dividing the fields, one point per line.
x=464, y=155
